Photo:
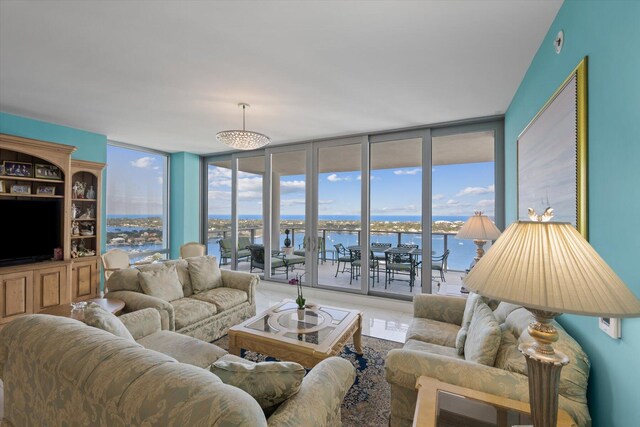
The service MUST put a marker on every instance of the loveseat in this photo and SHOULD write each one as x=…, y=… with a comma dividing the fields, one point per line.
x=199, y=299
x=59, y=371
x=486, y=359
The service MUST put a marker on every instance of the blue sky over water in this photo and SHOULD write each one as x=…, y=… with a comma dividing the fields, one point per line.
x=458, y=190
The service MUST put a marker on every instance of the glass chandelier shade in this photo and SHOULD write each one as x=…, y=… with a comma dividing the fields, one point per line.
x=243, y=139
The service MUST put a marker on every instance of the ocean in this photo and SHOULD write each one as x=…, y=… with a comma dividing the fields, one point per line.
x=462, y=251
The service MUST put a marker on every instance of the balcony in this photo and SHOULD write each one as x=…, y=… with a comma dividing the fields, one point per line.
x=462, y=253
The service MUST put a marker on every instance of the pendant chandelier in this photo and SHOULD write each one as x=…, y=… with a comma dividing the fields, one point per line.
x=243, y=139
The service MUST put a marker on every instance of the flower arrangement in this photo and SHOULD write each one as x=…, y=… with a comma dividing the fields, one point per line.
x=300, y=299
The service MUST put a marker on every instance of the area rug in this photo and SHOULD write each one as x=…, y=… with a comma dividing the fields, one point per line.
x=368, y=402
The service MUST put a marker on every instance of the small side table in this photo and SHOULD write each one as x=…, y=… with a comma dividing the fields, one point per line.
x=441, y=404
x=112, y=305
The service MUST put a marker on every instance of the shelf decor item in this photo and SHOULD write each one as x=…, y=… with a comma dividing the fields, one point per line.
x=48, y=172
x=21, y=169
x=550, y=269
x=91, y=193
x=79, y=188
x=21, y=189
x=46, y=189
x=2, y=190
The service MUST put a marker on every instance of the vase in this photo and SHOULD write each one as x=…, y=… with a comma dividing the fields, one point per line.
x=300, y=313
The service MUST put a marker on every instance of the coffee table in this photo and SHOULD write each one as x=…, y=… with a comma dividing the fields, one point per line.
x=308, y=337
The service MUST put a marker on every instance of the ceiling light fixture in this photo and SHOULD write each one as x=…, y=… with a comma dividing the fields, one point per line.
x=243, y=139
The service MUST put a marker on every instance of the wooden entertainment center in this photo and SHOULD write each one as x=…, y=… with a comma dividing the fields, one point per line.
x=38, y=170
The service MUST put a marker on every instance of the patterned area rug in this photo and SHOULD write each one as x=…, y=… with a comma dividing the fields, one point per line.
x=368, y=402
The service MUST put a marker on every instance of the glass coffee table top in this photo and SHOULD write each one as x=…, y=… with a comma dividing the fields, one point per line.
x=313, y=325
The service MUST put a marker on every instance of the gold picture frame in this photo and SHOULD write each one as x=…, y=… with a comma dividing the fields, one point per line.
x=552, y=155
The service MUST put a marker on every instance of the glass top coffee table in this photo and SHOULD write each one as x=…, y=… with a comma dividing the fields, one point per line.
x=305, y=336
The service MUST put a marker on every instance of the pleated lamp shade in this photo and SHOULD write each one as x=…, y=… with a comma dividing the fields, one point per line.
x=550, y=266
x=478, y=227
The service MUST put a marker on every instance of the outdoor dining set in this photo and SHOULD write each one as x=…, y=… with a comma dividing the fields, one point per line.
x=402, y=260
x=402, y=263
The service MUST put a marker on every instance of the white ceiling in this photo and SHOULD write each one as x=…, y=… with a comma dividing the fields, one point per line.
x=168, y=75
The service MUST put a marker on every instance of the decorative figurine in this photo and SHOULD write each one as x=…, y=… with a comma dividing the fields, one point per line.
x=75, y=229
x=79, y=189
x=91, y=193
x=75, y=211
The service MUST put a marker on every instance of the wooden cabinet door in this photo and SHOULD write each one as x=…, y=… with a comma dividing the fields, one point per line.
x=84, y=280
x=50, y=287
x=16, y=295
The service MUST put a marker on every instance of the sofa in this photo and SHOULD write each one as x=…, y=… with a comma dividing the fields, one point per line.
x=486, y=359
x=67, y=373
x=205, y=304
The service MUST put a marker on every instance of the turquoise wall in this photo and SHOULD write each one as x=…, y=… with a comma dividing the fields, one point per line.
x=608, y=32
x=184, y=192
x=90, y=146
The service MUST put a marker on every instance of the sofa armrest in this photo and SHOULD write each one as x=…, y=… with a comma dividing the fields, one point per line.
x=242, y=281
x=404, y=367
x=134, y=301
x=142, y=322
x=320, y=397
x=448, y=309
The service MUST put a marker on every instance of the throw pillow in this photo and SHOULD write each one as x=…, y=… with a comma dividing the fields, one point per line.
x=205, y=273
x=461, y=337
x=483, y=338
x=509, y=357
x=162, y=283
x=269, y=383
x=123, y=280
x=98, y=317
x=503, y=310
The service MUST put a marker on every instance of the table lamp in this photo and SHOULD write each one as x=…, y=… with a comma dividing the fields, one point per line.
x=550, y=269
x=478, y=228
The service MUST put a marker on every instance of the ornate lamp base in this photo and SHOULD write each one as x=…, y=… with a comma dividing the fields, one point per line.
x=543, y=366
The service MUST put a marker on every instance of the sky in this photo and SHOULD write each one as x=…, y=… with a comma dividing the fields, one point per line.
x=458, y=190
x=135, y=181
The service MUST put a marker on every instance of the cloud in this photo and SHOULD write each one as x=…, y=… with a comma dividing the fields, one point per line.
x=159, y=179
x=414, y=171
x=289, y=187
x=408, y=209
x=437, y=197
x=452, y=202
x=143, y=162
x=335, y=178
x=371, y=178
x=477, y=190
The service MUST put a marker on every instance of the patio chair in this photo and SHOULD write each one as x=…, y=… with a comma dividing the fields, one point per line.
x=401, y=263
x=343, y=257
x=226, y=249
x=355, y=259
x=257, y=260
x=379, y=248
x=192, y=249
x=439, y=263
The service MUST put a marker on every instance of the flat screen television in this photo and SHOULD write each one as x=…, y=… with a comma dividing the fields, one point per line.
x=30, y=230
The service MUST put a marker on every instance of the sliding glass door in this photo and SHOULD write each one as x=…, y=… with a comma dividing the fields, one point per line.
x=289, y=246
x=367, y=214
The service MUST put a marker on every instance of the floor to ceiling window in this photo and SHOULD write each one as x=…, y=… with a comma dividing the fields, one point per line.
x=219, y=211
x=137, y=207
x=463, y=181
x=420, y=187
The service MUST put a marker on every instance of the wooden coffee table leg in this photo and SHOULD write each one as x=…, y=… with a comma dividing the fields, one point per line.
x=357, y=337
x=233, y=346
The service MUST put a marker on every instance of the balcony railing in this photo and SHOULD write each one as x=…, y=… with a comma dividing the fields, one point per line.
x=458, y=259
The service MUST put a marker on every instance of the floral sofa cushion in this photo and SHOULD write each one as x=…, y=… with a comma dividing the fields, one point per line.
x=483, y=338
x=223, y=298
x=162, y=283
x=188, y=311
